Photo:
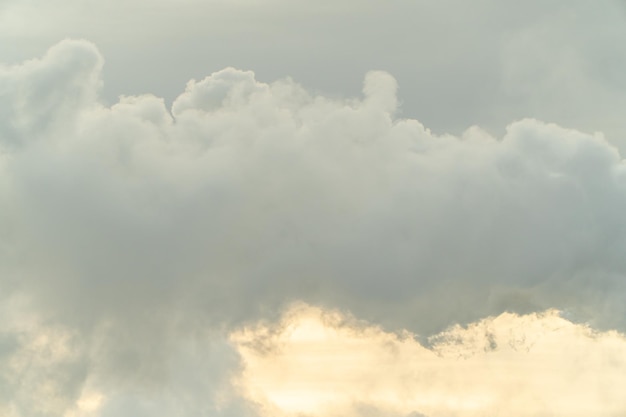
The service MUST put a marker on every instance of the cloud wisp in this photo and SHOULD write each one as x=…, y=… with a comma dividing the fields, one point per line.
x=136, y=236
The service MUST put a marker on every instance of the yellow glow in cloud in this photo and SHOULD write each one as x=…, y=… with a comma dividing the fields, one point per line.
x=88, y=405
x=321, y=363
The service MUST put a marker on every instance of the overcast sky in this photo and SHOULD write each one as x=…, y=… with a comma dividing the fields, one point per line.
x=259, y=208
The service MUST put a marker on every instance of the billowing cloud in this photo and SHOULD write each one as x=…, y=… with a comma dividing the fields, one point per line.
x=138, y=236
x=459, y=63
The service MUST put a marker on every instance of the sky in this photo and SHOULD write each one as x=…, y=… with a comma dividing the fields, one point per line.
x=280, y=208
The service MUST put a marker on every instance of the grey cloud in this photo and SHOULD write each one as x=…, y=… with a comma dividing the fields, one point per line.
x=42, y=95
x=133, y=227
x=265, y=193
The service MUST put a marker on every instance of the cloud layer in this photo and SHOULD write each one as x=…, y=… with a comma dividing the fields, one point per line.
x=134, y=233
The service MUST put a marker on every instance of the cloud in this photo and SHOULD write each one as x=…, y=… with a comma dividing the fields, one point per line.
x=324, y=363
x=41, y=95
x=136, y=231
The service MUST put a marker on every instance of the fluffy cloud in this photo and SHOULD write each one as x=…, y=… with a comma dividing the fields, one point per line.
x=137, y=233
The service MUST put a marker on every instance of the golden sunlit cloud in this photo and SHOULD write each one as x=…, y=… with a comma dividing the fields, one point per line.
x=324, y=363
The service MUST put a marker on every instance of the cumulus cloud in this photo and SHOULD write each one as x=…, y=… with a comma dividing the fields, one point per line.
x=136, y=233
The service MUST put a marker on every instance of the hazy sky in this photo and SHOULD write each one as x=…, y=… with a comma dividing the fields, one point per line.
x=261, y=208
